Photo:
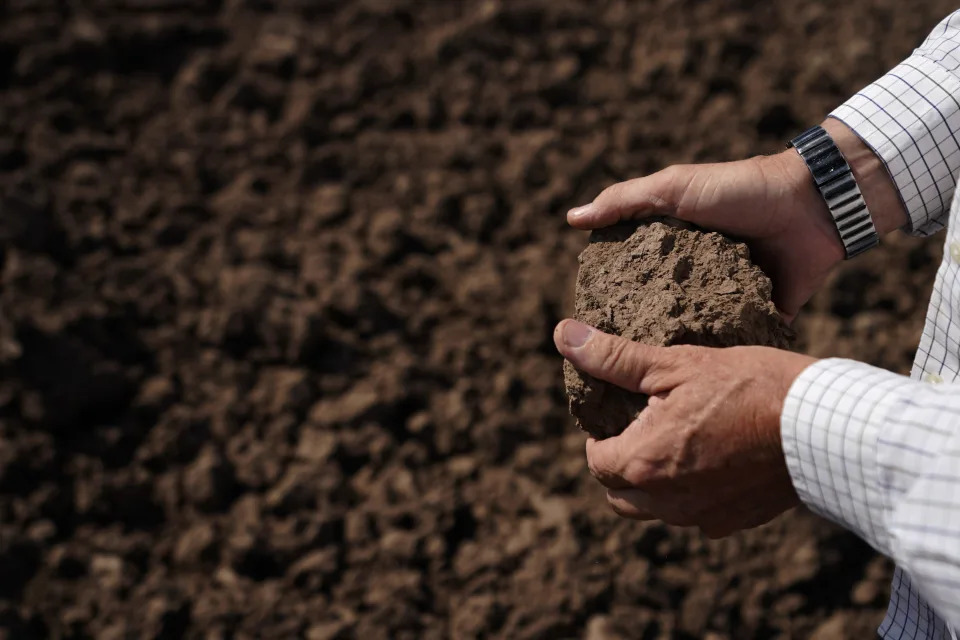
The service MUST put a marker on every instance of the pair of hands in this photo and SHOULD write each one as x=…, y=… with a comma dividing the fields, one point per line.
x=706, y=452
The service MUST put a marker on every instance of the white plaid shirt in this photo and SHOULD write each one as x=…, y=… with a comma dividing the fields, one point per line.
x=878, y=452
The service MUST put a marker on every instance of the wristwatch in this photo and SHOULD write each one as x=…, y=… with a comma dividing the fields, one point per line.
x=839, y=189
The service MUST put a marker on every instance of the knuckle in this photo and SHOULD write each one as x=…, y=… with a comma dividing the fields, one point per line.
x=593, y=468
x=673, y=177
x=614, y=195
x=638, y=473
x=609, y=196
x=685, y=355
x=686, y=351
x=673, y=172
x=613, y=355
x=675, y=354
x=599, y=468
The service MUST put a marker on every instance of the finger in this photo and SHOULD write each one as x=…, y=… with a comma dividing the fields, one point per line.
x=670, y=509
x=606, y=461
x=659, y=193
x=624, y=507
x=618, y=361
x=614, y=462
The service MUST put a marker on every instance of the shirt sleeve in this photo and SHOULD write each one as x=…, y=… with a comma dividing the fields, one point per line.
x=911, y=119
x=879, y=454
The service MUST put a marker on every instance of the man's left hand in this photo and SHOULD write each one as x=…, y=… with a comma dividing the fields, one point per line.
x=706, y=451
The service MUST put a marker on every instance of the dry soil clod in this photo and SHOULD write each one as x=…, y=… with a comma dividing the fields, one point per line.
x=665, y=283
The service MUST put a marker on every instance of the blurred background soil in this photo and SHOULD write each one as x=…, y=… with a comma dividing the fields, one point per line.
x=277, y=285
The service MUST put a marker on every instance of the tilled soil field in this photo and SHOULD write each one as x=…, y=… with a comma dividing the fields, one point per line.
x=277, y=286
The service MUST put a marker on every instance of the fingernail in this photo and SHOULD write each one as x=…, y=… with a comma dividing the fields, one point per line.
x=576, y=334
x=580, y=212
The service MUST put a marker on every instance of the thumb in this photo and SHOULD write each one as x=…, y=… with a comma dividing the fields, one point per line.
x=657, y=194
x=619, y=361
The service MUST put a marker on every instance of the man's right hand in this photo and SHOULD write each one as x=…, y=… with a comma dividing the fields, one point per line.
x=770, y=202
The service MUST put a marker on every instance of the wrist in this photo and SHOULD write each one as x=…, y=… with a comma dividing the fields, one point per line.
x=808, y=213
x=789, y=367
x=808, y=209
x=879, y=192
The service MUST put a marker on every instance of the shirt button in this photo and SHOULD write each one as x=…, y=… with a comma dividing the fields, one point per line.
x=932, y=378
x=955, y=251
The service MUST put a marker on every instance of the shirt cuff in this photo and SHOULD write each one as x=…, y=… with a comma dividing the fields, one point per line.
x=910, y=118
x=829, y=427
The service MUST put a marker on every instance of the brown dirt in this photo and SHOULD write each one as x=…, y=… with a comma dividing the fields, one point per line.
x=278, y=280
x=662, y=284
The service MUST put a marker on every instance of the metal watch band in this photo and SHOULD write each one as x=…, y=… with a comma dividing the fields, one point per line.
x=836, y=183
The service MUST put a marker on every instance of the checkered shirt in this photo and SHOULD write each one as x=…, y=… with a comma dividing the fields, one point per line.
x=877, y=452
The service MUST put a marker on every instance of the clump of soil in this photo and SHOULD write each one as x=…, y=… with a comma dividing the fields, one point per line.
x=665, y=283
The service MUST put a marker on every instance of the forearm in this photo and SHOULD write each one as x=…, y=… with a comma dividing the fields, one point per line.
x=880, y=454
